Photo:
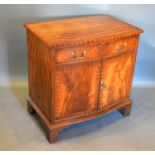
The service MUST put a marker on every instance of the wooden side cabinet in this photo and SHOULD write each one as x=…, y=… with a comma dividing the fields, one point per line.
x=80, y=69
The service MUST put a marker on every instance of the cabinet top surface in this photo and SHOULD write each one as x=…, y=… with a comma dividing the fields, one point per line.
x=78, y=29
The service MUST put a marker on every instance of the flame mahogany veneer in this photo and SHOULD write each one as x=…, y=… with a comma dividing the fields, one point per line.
x=80, y=69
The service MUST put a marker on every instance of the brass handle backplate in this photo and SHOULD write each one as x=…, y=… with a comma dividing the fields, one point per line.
x=83, y=53
x=75, y=55
x=121, y=48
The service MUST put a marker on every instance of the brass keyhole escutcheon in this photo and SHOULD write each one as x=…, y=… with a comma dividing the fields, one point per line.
x=121, y=48
x=102, y=85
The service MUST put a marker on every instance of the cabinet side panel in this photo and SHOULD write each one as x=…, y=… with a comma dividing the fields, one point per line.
x=39, y=73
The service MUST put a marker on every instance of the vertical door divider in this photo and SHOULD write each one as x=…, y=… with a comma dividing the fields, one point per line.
x=98, y=99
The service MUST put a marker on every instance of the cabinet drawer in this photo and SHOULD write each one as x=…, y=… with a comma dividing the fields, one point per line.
x=120, y=47
x=82, y=53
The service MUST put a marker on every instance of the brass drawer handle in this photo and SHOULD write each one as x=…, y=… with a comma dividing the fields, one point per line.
x=74, y=55
x=121, y=49
x=84, y=53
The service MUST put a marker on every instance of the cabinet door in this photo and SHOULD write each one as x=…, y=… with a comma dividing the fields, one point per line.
x=116, y=79
x=76, y=90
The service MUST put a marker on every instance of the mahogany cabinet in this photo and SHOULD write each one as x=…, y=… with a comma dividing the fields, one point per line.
x=80, y=69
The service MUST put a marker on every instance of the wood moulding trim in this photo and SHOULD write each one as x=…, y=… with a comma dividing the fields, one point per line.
x=88, y=41
x=64, y=123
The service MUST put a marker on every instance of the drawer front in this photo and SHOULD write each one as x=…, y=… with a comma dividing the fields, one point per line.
x=82, y=53
x=119, y=47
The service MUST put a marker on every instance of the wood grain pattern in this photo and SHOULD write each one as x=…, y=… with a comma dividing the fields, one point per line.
x=66, y=55
x=81, y=30
x=125, y=45
x=76, y=90
x=116, y=75
x=80, y=69
x=40, y=73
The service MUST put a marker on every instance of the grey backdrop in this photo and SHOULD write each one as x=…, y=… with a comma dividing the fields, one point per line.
x=13, y=55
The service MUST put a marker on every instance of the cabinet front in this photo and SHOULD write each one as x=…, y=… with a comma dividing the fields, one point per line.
x=116, y=79
x=76, y=90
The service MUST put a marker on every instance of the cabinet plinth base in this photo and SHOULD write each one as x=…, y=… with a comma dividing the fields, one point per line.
x=53, y=135
x=30, y=109
x=126, y=110
x=53, y=129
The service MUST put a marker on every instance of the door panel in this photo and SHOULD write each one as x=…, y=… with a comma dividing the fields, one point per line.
x=116, y=79
x=76, y=89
